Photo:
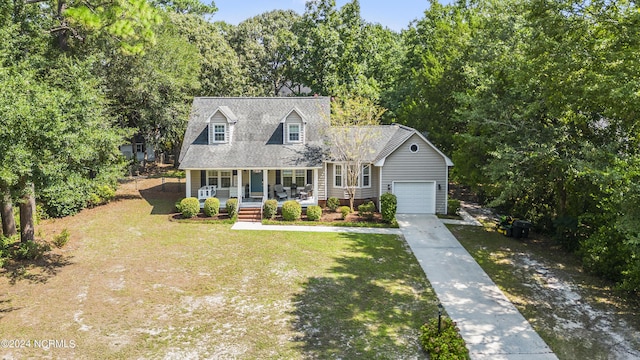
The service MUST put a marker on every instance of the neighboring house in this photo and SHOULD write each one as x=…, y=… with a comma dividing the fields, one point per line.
x=138, y=148
x=248, y=147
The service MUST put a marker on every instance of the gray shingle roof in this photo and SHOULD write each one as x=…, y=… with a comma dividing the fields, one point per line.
x=257, y=135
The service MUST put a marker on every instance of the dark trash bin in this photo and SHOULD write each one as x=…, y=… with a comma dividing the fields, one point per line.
x=521, y=229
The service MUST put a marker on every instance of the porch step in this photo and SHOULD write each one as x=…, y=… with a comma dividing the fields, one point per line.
x=249, y=214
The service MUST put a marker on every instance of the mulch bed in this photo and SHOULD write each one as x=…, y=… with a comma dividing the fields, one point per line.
x=327, y=217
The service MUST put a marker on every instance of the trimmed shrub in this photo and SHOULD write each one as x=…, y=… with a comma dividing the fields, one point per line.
x=189, y=207
x=270, y=209
x=452, y=206
x=344, y=211
x=61, y=239
x=388, y=207
x=211, y=207
x=333, y=203
x=367, y=209
x=291, y=210
x=232, y=208
x=314, y=213
x=446, y=344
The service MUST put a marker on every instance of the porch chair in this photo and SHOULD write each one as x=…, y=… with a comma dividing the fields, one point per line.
x=280, y=193
x=304, y=194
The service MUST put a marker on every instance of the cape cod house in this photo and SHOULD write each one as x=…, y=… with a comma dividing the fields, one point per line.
x=259, y=148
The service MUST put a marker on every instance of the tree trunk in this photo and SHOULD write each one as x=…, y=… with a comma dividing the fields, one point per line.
x=6, y=212
x=27, y=209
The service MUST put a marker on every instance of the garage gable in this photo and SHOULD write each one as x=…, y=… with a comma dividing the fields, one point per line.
x=417, y=173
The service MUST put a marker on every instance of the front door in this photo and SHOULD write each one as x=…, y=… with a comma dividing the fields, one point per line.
x=256, y=183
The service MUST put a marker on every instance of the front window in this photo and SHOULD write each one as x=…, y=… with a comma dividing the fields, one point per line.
x=212, y=176
x=366, y=175
x=337, y=175
x=294, y=132
x=287, y=178
x=300, y=178
x=219, y=132
x=219, y=178
x=225, y=179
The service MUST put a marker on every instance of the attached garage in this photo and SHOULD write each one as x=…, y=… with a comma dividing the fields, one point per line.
x=415, y=197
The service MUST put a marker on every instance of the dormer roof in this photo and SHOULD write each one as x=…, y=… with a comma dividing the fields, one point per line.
x=297, y=111
x=227, y=113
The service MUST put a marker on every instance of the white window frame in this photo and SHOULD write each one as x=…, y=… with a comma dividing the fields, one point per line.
x=299, y=133
x=335, y=176
x=368, y=175
x=223, y=133
x=344, y=177
x=290, y=175
x=294, y=174
x=218, y=176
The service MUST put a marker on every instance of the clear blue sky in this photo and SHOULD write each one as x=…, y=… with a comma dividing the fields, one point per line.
x=394, y=14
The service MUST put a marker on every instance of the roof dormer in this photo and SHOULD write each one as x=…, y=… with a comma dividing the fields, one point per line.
x=293, y=127
x=221, y=125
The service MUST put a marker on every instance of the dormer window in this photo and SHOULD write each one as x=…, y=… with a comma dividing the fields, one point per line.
x=219, y=132
x=294, y=132
x=221, y=125
x=293, y=127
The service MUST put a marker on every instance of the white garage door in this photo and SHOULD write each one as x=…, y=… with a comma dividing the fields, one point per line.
x=415, y=197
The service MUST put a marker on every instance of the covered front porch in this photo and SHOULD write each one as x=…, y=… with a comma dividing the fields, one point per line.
x=253, y=186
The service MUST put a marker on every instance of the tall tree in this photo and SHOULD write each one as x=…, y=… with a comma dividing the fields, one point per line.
x=436, y=48
x=266, y=45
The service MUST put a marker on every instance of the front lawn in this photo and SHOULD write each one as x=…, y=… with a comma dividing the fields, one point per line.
x=130, y=284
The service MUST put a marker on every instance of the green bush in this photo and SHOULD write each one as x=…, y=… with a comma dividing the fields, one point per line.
x=605, y=253
x=31, y=250
x=189, y=207
x=453, y=205
x=388, y=207
x=61, y=239
x=344, y=211
x=367, y=209
x=232, y=208
x=333, y=203
x=270, y=209
x=102, y=194
x=291, y=210
x=211, y=207
x=446, y=344
x=314, y=213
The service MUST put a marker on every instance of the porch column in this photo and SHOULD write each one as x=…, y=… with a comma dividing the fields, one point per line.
x=265, y=184
x=188, y=182
x=239, y=187
x=315, y=185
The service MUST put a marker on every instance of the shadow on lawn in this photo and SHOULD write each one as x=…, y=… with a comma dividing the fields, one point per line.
x=371, y=306
x=162, y=198
x=35, y=271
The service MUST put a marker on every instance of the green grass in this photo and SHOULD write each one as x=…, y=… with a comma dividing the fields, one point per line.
x=131, y=284
x=570, y=328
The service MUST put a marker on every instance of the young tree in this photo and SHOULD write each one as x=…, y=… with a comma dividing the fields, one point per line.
x=353, y=136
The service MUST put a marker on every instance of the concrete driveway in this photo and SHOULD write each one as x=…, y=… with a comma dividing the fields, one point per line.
x=489, y=323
